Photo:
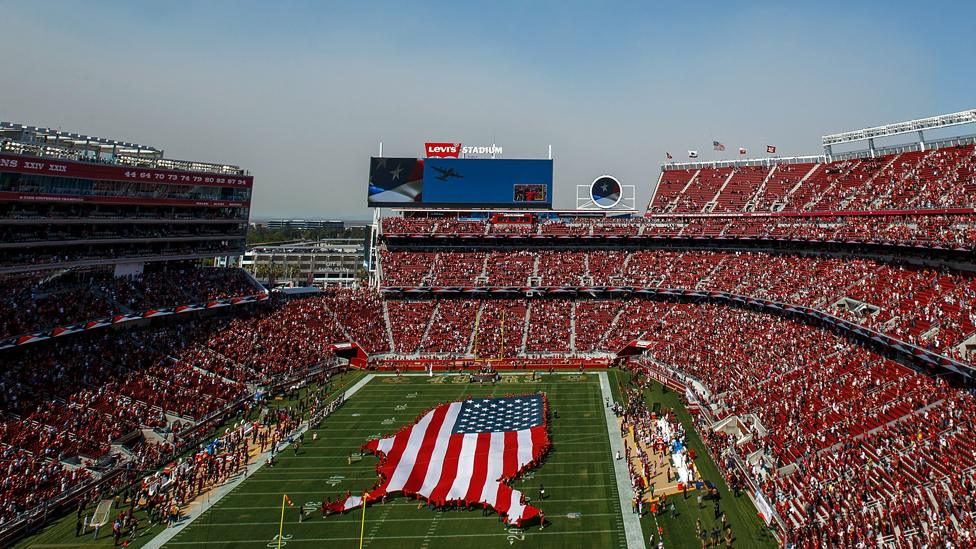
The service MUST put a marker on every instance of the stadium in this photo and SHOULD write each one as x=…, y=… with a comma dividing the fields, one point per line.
x=776, y=351
x=737, y=349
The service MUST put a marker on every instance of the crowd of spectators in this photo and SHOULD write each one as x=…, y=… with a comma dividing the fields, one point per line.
x=852, y=445
x=935, y=178
x=919, y=229
x=32, y=303
x=72, y=403
x=81, y=254
x=933, y=308
x=848, y=446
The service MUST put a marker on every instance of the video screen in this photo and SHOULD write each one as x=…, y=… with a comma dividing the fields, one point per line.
x=530, y=193
x=459, y=182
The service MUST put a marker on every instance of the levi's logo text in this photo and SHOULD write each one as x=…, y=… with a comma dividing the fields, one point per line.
x=443, y=150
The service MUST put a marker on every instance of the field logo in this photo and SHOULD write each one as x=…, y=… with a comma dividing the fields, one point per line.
x=284, y=540
x=515, y=534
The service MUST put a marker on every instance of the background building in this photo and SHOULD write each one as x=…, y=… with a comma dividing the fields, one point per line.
x=305, y=224
x=319, y=263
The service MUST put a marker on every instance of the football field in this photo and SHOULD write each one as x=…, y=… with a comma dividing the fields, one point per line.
x=581, y=504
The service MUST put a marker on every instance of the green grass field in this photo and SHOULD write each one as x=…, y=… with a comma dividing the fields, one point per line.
x=578, y=476
x=582, y=503
x=748, y=529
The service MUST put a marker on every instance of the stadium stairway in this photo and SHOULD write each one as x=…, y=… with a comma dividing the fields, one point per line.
x=430, y=322
x=112, y=301
x=387, y=326
x=715, y=200
x=474, y=330
x=251, y=371
x=814, y=195
x=783, y=202
x=204, y=371
x=572, y=328
x=760, y=191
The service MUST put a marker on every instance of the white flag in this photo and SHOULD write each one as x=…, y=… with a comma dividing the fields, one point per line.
x=692, y=154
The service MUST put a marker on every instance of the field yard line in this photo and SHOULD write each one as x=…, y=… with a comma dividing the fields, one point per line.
x=426, y=404
x=218, y=493
x=355, y=519
x=398, y=537
x=448, y=374
x=575, y=440
x=288, y=459
x=313, y=492
x=413, y=503
x=632, y=527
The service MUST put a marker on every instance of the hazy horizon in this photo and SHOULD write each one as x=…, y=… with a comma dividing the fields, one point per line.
x=302, y=93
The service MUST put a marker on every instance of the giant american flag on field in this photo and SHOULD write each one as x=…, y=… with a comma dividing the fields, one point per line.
x=464, y=453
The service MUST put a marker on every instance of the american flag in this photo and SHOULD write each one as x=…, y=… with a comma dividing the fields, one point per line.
x=463, y=453
x=718, y=146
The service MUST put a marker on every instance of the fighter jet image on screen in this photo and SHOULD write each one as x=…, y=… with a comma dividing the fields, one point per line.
x=447, y=173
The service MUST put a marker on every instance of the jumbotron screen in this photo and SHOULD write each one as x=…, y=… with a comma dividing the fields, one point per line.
x=460, y=182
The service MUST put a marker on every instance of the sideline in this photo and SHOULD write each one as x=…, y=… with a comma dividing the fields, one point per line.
x=218, y=493
x=632, y=527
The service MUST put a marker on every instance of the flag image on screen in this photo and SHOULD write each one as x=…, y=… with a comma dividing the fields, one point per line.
x=395, y=181
x=463, y=453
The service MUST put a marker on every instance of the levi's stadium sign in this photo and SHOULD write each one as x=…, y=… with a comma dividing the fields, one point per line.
x=453, y=150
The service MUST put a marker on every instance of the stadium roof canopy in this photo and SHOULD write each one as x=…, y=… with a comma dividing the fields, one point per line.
x=58, y=138
x=32, y=140
x=898, y=128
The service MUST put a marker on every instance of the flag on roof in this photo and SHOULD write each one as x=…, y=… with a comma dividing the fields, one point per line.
x=692, y=154
x=463, y=452
x=742, y=150
x=717, y=146
x=771, y=149
x=669, y=156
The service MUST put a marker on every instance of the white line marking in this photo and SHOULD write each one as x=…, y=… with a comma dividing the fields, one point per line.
x=632, y=527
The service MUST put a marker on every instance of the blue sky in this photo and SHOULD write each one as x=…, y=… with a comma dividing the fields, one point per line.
x=301, y=93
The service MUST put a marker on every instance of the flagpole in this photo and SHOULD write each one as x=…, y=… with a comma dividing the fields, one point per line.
x=281, y=525
x=362, y=525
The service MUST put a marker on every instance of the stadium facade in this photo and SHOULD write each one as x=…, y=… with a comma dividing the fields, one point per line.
x=71, y=201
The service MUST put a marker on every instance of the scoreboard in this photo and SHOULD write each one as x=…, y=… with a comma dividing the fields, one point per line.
x=460, y=182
